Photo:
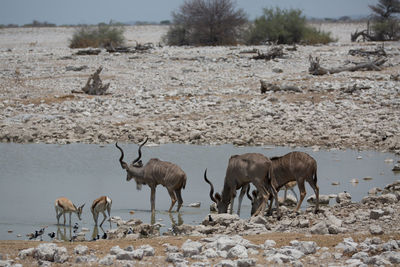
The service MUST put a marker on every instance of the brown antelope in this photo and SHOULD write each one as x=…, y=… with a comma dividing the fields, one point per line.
x=101, y=204
x=156, y=172
x=243, y=169
x=294, y=166
x=64, y=205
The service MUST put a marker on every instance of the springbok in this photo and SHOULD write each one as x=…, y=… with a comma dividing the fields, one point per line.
x=156, y=172
x=64, y=205
x=243, y=169
x=294, y=166
x=101, y=204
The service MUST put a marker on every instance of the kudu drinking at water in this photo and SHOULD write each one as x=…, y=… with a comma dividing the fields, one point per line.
x=156, y=172
x=294, y=166
x=243, y=169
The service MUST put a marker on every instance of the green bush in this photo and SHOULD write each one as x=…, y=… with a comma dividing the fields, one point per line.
x=313, y=36
x=102, y=35
x=284, y=27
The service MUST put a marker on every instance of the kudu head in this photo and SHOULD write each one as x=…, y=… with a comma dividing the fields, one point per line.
x=255, y=200
x=135, y=166
x=79, y=211
x=222, y=206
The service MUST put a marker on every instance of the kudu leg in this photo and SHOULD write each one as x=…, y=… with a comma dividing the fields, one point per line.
x=242, y=192
x=153, y=199
x=303, y=193
x=173, y=199
x=316, y=191
x=180, y=200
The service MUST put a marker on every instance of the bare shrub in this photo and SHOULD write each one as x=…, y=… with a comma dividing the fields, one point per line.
x=206, y=22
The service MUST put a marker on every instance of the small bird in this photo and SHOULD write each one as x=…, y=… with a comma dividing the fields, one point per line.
x=104, y=235
x=210, y=219
x=73, y=238
x=40, y=233
x=51, y=235
x=32, y=235
x=76, y=227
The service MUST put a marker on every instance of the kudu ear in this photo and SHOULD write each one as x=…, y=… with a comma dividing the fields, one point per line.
x=218, y=197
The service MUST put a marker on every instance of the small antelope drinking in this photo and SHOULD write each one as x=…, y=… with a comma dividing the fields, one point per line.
x=64, y=205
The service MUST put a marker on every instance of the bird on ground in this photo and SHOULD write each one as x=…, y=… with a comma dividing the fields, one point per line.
x=32, y=235
x=40, y=233
x=104, y=235
x=76, y=227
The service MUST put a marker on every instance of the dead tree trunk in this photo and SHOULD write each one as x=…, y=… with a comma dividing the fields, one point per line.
x=274, y=52
x=316, y=69
x=94, y=85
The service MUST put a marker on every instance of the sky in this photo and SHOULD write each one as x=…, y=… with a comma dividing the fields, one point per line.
x=63, y=12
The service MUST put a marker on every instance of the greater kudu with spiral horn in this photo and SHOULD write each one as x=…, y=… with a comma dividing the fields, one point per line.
x=243, y=169
x=156, y=172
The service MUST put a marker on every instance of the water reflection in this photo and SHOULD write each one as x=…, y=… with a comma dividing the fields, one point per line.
x=173, y=221
x=62, y=233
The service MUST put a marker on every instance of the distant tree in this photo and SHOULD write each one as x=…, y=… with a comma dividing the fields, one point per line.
x=206, y=22
x=165, y=22
x=385, y=24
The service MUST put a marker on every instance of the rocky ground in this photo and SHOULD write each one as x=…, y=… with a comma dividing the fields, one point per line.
x=200, y=95
x=210, y=95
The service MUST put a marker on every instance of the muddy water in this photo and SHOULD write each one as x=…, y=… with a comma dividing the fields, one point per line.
x=34, y=175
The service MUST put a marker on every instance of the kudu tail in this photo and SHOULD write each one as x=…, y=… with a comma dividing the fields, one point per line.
x=315, y=176
x=184, y=183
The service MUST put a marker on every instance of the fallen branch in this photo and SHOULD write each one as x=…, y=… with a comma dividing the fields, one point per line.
x=94, y=85
x=379, y=51
x=88, y=52
x=265, y=86
x=126, y=49
x=316, y=69
x=274, y=52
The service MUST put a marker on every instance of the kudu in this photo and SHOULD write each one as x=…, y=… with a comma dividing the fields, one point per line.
x=243, y=169
x=294, y=166
x=156, y=172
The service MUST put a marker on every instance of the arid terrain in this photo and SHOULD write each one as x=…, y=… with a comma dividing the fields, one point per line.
x=199, y=95
x=211, y=95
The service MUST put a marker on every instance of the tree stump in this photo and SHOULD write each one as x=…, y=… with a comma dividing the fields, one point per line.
x=94, y=85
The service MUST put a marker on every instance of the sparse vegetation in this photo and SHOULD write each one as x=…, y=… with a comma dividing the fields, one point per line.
x=284, y=27
x=386, y=26
x=102, y=35
x=206, y=22
x=36, y=23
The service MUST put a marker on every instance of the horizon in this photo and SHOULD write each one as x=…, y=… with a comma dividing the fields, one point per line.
x=74, y=12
